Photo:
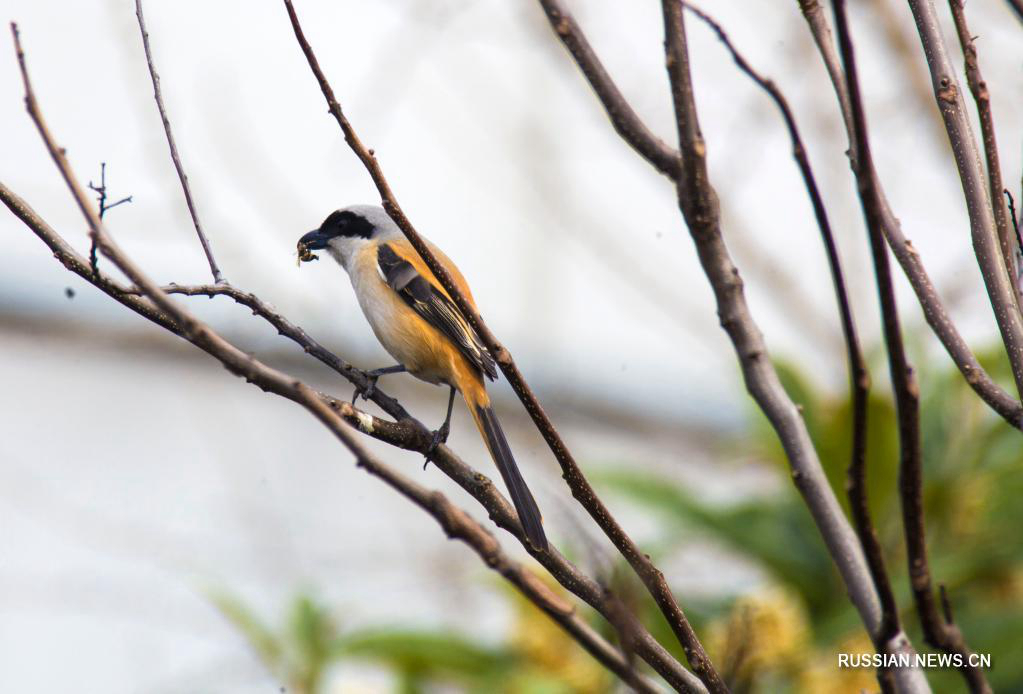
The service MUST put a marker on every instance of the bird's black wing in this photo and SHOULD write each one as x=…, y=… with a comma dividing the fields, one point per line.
x=434, y=307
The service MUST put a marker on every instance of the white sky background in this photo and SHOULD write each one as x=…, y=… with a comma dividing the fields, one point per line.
x=500, y=154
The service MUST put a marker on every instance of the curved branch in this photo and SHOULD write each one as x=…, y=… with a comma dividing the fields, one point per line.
x=625, y=120
x=300, y=337
x=157, y=94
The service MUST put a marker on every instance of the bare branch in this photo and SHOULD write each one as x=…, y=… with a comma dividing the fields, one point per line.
x=186, y=189
x=937, y=632
x=652, y=578
x=934, y=310
x=625, y=120
x=982, y=98
x=859, y=377
x=986, y=246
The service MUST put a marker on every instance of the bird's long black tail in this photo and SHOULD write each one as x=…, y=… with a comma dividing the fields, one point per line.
x=525, y=504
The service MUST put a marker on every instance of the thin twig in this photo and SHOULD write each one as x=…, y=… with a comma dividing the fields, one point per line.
x=581, y=489
x=179, y=321
x=937, y=632
x=982, y=98
x=859, y=377
x=101, y=192
x=935, y=313
x=299, y=336
x=186, y=189
x=813, y=12
x=101, y=198
x=986, y=246
x=624, y=118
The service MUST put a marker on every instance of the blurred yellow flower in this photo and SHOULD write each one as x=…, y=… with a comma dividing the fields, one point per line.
x=544, y=644
x=767, y=632
x=822, y=673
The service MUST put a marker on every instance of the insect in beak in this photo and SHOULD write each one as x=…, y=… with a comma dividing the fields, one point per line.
x=305, y=255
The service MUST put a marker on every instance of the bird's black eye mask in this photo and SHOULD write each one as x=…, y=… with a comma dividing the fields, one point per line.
x=344, y=223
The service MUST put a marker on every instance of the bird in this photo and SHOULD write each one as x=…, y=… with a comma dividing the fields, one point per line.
x=419, y=325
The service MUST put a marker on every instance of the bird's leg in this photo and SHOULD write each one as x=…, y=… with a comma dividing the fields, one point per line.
x=441, y=435
x=372, y=377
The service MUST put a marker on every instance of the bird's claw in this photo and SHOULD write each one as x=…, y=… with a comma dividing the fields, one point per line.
x=368, y=391
x=440, y=436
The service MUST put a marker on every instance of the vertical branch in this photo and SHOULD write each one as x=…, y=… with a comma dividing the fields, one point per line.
x=949, y=98
x=982, y=98
x=157, y=94
x=859, y=377
x=938, y=632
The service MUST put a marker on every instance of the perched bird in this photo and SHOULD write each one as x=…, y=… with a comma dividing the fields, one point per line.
x=422, y=328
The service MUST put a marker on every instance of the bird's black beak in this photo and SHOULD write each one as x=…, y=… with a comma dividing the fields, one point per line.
x=315, y=240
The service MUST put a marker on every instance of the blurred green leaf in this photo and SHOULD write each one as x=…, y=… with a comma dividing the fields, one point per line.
x=433, y=652
x=775, y=533
x=259, y=636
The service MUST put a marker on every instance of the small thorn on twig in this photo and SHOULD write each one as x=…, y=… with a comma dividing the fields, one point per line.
x=1015, y=221
x=946, y=606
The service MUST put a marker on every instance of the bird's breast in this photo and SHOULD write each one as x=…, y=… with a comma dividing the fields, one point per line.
x=403, y=333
